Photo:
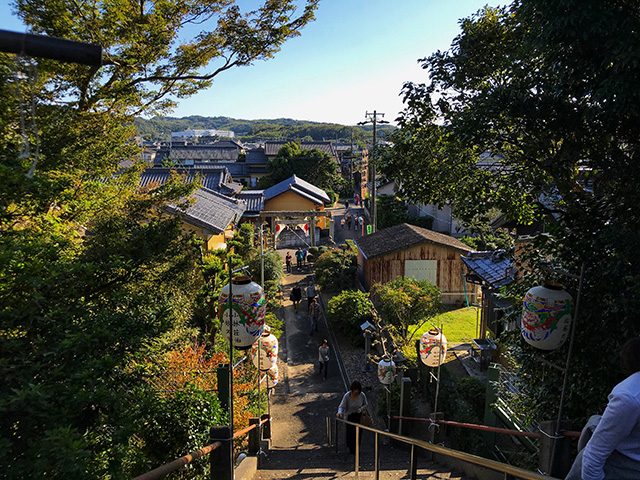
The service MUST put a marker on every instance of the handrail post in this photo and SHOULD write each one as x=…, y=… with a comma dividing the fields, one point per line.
x=413, y=465
x=254, y=436
x=266, y=429
x=376, y=458
x=221, y=467
x=357, y=459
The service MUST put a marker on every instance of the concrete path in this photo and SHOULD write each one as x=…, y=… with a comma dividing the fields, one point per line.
x=342, y=233
x=302, y=401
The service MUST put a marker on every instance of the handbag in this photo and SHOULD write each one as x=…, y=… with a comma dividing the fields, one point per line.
x=365, y=419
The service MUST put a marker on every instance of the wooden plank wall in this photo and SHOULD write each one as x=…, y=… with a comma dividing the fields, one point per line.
x=451, y=270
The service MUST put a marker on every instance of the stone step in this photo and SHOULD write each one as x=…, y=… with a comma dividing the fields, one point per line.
x=322, y=464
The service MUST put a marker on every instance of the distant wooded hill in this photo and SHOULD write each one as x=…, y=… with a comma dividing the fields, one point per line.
x=159, y=128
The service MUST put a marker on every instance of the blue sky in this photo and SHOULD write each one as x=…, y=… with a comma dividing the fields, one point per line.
x=354, y=57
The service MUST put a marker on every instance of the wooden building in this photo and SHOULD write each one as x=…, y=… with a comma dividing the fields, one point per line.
x=408, y=251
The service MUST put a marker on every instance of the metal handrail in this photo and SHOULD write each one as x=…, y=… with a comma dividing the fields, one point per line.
x=487, y=428
x=438, y=449
x=178, y=463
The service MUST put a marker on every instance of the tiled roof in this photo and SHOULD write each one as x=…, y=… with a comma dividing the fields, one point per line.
x=495, y=268
x=256, y=155
x=301, y=187
x=213, y=177
x=220, y=151
x=272, y=148
x=254, y=200
x=210, y=210
x=403, y=236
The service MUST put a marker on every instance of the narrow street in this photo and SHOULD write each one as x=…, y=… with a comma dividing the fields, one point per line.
x=302, y=401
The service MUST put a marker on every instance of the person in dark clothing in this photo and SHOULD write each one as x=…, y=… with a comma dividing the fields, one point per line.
x=296, y=296
x=314, y=315
x=299, y=257
x=288, y=262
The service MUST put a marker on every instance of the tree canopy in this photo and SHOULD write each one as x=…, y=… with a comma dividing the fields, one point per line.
x=98, y=286
x=313, y=165
x=534, y=111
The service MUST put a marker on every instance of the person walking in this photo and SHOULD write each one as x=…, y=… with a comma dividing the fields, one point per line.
x=288, y=262
x=323, y=358
x=348, y=221
x=361, y=225
x=353, y=405
x=346, y=205
x=314, y=315
x=342, y=222
x=612, y=451
x=311, y=294
x=295, y=296
x=305, y=252
x=299, y=258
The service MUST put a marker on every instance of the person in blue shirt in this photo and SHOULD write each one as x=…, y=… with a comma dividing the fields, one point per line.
x=613, y=450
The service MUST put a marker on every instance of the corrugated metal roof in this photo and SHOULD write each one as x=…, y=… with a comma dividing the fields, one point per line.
x=494, y=268
x=210, y=210
x=301, y=187
x=402, y=236
x=272, y=148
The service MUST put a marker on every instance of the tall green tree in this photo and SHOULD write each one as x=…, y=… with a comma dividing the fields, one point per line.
x=96, y=283
x=315, y=166
x=406, y=305
x=533, y=111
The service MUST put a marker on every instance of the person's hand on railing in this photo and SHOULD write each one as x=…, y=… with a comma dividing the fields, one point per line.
x=340, y=415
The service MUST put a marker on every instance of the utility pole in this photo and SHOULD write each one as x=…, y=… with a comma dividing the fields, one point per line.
x=372, y=117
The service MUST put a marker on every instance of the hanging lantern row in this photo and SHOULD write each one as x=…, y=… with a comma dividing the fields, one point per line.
x=546, y=316
x=248, y=310
x=433, y=347
x=386, y=371
x=264, y=352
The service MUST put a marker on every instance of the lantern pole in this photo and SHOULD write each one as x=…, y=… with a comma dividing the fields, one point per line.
x=230, y=262
x=567, y=363
x=435, y=405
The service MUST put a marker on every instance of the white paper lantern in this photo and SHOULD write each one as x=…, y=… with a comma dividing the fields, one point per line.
x=249, y=307
x=272, y=376
x=546, y=316
x=386, y=371
x=433, y=347
x=264, y=352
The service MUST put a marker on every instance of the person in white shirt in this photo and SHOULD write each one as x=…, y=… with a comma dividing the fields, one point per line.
x=323, y=358
x=353, y=404
x=613, y=451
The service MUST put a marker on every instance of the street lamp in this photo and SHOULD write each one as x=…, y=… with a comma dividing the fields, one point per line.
x=372, y=118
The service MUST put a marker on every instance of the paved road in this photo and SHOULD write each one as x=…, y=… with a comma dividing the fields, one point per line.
x=343, y=233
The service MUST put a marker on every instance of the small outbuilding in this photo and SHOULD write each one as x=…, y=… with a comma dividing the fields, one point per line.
x=409, y=251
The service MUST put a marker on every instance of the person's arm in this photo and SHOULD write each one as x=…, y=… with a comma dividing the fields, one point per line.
x=343, y=405
x=619, y=418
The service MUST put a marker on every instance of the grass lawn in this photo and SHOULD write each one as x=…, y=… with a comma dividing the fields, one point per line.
x=459, y=326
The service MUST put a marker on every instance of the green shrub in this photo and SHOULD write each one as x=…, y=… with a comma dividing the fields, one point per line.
x=336, y=270
x=272, y=267
x=348, y=310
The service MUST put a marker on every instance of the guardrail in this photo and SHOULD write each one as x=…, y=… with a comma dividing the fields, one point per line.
x=504, y=468
x=486, y=428
x=179, y=463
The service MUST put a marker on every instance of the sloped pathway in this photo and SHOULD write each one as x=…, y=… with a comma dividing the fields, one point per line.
x=302, y=401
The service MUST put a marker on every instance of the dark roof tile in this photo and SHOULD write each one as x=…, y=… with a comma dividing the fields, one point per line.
x=403, y=236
